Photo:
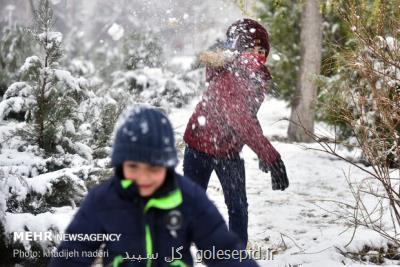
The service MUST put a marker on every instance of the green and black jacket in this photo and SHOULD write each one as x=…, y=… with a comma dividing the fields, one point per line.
x=152, y=231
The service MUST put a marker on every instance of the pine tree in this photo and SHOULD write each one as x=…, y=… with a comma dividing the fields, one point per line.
x=47, y=96
x=142, y=50
x=49, y=102
x=15, y=45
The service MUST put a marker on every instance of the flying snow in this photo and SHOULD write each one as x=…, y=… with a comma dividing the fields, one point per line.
x=116, y=31
x=201, y=120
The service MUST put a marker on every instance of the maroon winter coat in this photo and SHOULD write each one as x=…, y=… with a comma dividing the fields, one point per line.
x=226, y=117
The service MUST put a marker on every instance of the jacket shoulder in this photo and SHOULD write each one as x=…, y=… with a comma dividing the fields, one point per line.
x=194, y=196
x=188, y=187
x=98, y=194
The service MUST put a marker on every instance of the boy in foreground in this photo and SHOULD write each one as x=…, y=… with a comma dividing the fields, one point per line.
x=157, y=212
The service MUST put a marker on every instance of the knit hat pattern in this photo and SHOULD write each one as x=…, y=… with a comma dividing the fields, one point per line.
x=245, y=33
x=145, y=136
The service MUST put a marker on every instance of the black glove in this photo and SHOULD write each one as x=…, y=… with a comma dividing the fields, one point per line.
x=279, y=177
x=263, y=166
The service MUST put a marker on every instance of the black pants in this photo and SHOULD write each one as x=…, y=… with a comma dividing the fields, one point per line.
x=198, y=166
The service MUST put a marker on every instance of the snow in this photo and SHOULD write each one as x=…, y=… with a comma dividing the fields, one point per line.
x=18, y=89
x=144, y=126
x=83, y=66
x=14, y=104
x=302, y=223
x=10, y=8
x=305, y=224
x=276, y=57
x=51, y=37
x=201, y=120
x=66, y=77
x=30, y=62
x=182, y=63
x=38, y=223
x=156, y=86
x=42, y=184
x=83, y=150
x=173, y=20
x=17, y=98
x=116, y=31
x=69, y=127
x=392, y=43
x=9, y=157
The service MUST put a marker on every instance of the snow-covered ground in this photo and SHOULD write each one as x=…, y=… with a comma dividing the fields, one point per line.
x=301, y=223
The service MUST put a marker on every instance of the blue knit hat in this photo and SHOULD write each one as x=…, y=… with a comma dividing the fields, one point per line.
x=145, y=136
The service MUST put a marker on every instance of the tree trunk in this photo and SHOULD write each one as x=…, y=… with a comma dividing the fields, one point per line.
x=303, y=112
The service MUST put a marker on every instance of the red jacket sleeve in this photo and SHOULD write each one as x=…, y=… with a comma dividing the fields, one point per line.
x=232, y=104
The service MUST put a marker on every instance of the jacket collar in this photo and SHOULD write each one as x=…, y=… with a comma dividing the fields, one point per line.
x=168, y=196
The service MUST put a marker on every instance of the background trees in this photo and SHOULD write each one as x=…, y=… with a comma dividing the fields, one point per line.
x=60, y=96
x=304, y=100
x=368, y=101
x=357, y=93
